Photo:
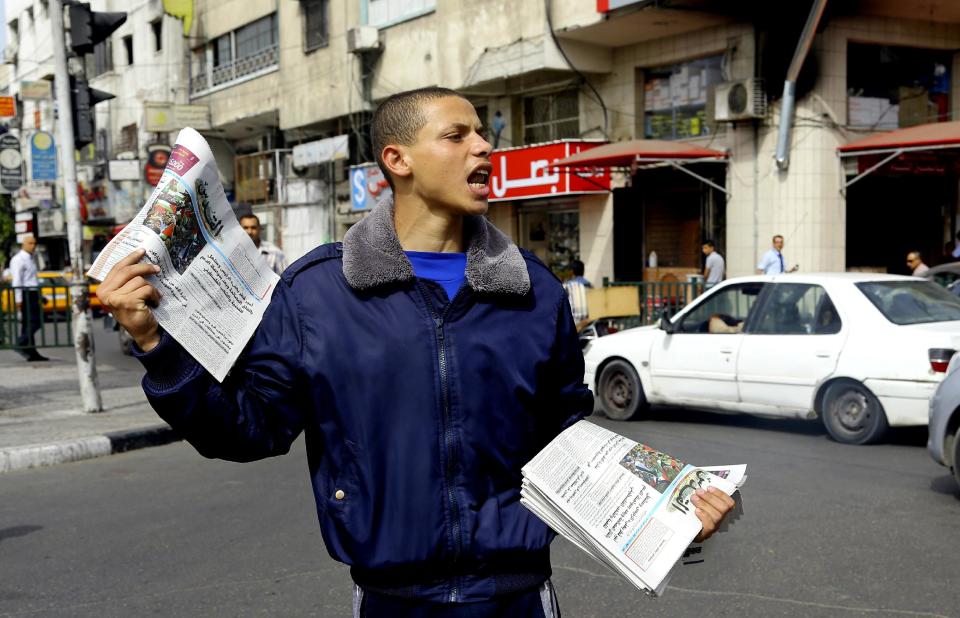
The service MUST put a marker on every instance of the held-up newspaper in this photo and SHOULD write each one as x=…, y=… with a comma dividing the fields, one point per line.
x=214, y=284
x=625, y=504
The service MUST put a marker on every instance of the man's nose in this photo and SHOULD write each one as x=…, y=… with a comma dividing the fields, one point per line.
x=482, y=148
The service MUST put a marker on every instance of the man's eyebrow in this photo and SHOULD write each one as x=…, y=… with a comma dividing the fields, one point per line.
x=460, y=126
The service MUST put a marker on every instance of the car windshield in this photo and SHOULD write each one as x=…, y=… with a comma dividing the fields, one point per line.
x=912, y=302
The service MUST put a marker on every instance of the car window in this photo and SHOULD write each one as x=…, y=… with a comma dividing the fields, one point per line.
x=797, y=309
x=724, y=311
x=912, y=302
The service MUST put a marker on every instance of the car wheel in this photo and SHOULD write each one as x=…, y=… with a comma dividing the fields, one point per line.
x=851, y=413
x=956, y=457
x=621, y=394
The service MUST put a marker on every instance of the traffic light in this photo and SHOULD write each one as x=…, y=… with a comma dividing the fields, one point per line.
x=83, y=98
x=87, y=28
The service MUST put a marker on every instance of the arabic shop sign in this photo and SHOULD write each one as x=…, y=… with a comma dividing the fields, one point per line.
x=527, y=172
x=367, y=186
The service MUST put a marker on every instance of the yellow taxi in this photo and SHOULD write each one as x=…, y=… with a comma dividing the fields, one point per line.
x=54, y=291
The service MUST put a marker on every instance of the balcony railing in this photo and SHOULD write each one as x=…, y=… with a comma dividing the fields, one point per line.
x=234, y=71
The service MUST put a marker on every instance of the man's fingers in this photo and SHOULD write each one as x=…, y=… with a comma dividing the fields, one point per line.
x=708, y=508
x=148, y=294
x=133, y=284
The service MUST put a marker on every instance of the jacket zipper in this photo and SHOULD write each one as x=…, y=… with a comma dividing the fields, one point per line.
x=448, y=437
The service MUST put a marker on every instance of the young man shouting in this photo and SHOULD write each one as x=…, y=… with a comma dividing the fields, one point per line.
x=426, y=359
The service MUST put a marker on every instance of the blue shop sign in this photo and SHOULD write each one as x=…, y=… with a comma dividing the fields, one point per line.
x=43, y=157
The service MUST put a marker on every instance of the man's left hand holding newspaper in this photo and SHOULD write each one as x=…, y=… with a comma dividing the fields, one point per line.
x=712, y=506
x=129, y=296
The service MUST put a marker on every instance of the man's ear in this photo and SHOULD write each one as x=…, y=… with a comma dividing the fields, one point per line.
x=396, y=161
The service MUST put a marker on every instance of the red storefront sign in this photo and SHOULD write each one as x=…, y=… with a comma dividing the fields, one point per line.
x=527, y=172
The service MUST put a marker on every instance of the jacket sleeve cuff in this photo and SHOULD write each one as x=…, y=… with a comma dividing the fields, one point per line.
x=167, y=365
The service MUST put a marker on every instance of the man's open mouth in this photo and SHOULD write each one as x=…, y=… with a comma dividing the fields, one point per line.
x=479, y=180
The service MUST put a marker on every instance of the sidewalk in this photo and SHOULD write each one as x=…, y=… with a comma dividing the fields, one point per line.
x=41, y=421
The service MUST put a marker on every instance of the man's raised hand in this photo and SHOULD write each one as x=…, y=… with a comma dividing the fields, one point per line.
x=129, y=296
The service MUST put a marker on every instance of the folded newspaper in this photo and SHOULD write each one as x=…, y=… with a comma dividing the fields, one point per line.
x=625, y=504
x=214, y=284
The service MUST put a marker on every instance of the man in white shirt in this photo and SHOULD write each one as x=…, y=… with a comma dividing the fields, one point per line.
x=714, y=267
x=272, y=253
x=772, y=262
x=26, y=286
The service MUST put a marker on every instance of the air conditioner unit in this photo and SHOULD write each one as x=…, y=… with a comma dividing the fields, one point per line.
x=362, y=39
x=739, y=100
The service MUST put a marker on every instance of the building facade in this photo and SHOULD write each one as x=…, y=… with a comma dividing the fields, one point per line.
x=290, y=86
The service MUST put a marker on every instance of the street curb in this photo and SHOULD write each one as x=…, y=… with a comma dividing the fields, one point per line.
x=78, y=449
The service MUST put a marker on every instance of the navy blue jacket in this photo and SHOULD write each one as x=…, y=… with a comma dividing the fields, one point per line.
x=418, y=412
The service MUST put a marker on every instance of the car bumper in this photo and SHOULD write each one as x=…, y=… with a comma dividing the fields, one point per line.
x=906, y=402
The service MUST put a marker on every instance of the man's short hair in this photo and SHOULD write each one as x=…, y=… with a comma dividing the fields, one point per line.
x=400, y=117
x=709, y=243
x=577, y=267
x=249, y=215
x=915, y=254
x=776, y=237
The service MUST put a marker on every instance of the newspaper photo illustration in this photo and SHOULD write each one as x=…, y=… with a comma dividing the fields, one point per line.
x=625, y=504
x=213, y=282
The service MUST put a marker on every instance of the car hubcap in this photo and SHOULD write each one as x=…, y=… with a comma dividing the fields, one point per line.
x=852, y=410
x=619, y=391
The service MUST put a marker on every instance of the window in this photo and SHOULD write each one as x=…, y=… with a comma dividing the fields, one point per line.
x=256, y=37
x=895, y=87
x=314, y=24
x=912, y=302
x=382, y=13
x=128, y=48
x=797, y=309
x=724, y=311
x=235, y=55
x=156, y=26
x=102, y=59
x=675, y=98
x=223, y=50
x=551, y=117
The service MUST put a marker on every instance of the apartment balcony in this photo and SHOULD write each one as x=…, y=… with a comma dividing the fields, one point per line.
x=211, y=79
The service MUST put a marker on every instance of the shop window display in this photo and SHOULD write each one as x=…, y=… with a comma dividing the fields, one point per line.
x=554, y=237
x=893, y=87
x=675, y=98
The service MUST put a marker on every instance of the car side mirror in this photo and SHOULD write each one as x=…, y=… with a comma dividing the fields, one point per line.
x=666, y=325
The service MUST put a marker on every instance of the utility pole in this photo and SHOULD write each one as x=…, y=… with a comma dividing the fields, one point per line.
x=80, y=291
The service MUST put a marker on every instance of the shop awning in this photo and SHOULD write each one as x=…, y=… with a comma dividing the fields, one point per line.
x=893, y=144
x=626, y=154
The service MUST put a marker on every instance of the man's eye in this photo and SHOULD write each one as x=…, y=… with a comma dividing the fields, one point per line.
x=455, y=137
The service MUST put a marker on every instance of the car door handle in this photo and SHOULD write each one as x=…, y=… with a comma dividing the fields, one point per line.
x=726, y=351
x=824, y=354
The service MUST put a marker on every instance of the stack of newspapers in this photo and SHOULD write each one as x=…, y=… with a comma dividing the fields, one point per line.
x=625, y=504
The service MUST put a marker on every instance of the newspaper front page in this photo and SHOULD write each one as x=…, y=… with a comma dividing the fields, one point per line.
x=214, y=284
x=625, y=504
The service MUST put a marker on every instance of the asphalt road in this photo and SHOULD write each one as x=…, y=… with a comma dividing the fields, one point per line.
x=829, y=530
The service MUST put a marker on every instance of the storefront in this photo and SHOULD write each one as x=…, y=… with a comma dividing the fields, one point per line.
x=538, y=205
x=901, y=196
x=675, y=200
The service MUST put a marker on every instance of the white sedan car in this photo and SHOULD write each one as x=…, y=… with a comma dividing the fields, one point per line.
x=861, y=351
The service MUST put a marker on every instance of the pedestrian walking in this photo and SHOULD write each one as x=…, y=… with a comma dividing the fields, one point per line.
x=772, y=262
x=463, y=363
x=714, y=267
x=274, y=256
x=576, y=288
x=916, y=265
x=26, y=290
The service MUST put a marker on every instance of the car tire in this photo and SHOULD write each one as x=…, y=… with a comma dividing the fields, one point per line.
x=852, y=414
x=620, y=391
x=956, y=456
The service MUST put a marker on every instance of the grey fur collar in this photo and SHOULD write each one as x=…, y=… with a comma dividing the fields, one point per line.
x=372, y=255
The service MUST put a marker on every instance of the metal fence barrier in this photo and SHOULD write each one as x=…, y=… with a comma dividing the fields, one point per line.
x=657, y=297
x=54, y=317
